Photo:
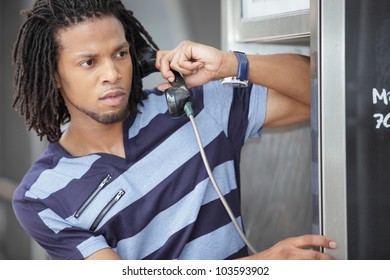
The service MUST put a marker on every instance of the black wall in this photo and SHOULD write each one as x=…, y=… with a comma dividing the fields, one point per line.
x=368, y=142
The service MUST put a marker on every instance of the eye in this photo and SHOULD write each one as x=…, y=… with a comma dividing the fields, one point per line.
x=122, y=54
x=88, y=63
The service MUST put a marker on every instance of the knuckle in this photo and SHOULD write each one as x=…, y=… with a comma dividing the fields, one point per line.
x=186, y=42
x=291, y=239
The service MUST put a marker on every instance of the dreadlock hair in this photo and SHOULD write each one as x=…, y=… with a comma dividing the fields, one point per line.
x=35, y=54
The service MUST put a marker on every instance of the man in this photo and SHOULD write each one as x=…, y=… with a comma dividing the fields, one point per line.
x=124, y=179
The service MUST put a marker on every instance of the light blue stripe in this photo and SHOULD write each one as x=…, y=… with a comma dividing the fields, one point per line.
x=53, y=221
x=216, y=245
x=154, y=105
x=53, y=180
x=217, y=101
x=92, y=245
x=173, y=219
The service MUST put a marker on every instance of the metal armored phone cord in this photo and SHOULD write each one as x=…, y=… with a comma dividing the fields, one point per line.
x=190, y=114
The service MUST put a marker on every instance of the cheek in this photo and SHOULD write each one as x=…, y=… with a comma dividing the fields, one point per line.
x=76, y=88
x=73, y=85
x=127, y=76
x=129, y=70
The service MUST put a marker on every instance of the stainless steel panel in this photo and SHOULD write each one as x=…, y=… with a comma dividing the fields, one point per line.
x=293, y=26
x=328, y=58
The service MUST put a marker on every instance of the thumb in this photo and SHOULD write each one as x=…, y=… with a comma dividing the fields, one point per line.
x=163, y=86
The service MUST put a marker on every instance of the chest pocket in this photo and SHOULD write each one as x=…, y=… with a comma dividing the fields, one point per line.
x=97, y=205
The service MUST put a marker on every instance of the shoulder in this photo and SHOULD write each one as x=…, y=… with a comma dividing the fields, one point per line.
x=53, y=168
x=46, y=161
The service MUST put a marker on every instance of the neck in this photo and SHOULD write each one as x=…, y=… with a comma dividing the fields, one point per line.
x=81, y=139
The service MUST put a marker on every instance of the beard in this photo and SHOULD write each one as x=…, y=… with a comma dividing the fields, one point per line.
x=106, y=118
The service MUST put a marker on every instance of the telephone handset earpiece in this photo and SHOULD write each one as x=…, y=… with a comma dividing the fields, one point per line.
x=146, y=61
x=178, y=95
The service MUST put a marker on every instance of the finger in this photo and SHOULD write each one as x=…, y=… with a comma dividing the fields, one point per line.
x=163, y=86
x=190, y=67
x=313, y=240
x=316, y=255
x=185, y=67
x=165, y=68
x=159, y=55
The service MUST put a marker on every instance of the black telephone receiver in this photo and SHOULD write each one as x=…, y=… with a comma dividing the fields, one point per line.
x=178, y=95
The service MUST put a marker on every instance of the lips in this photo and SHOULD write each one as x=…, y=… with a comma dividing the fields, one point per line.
x=113, y=98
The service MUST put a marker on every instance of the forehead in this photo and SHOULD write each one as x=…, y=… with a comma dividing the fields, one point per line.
x=102, y=30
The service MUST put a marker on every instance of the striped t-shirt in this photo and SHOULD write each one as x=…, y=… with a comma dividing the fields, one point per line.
x=158, y=202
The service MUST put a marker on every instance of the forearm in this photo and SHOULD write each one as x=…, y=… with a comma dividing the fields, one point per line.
x=288, y=74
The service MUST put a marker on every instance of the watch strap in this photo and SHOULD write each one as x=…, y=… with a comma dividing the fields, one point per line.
x=243, y=65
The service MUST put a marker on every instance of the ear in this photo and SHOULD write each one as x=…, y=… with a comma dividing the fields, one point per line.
x=57, y=80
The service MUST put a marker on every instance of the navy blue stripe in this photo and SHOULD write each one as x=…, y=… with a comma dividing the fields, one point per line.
x=71, y=243
x=239, y=111
x=164, y=195
x=56, y=247
x=197, y=99
x=238, y=123
x=212, y=216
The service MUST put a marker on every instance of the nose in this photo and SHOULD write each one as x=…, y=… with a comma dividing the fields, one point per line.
x=110, y=73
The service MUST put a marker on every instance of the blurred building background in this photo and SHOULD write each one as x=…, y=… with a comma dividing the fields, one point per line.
x=275, y=169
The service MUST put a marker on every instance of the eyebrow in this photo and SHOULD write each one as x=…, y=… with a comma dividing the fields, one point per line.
x=121, y=46
x=83, y=55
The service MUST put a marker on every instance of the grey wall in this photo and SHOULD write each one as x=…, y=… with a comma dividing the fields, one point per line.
x=275, y=181
x=15, y=148
x=13, y=141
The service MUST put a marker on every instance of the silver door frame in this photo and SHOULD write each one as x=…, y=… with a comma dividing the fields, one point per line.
x=328, y=108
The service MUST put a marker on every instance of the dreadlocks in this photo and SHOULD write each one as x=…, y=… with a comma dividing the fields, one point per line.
x=35, y=53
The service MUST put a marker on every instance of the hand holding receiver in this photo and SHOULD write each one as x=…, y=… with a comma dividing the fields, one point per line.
x=177, y=94
x=198, y=63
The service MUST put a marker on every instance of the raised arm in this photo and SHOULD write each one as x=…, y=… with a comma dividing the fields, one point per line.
x=287, y=76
